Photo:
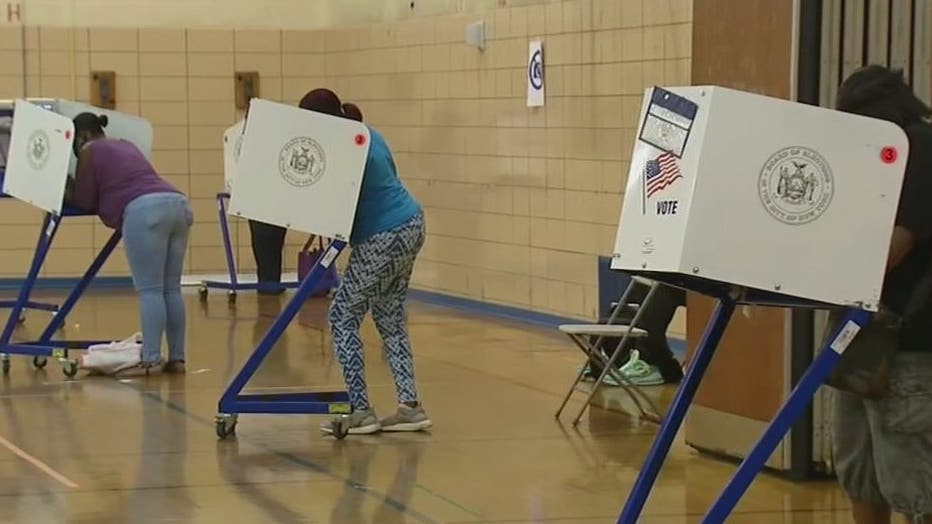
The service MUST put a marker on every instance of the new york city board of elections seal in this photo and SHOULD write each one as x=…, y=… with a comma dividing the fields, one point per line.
x=796, y=185
x=302, y=161
x=37, y=149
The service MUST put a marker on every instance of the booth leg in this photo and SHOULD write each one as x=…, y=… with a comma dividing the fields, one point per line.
x=790, y=411
x=46, y=234
x=59, y=319
x=227, y=242
x=227, y=405
x=674, y=419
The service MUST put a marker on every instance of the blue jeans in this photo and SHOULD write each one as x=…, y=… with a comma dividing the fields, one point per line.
x=155, y=234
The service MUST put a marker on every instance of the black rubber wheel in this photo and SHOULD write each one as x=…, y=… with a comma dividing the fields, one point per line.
x=339, y=430
x=225, y=427
x=70, y=369
x=5, y=366
x=202, y=293
x=39, y=362
x=231, y=297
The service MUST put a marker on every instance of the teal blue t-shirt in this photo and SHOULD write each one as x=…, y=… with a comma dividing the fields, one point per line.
x=384, y=202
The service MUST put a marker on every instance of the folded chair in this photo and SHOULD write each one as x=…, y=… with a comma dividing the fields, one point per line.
x=589, y=338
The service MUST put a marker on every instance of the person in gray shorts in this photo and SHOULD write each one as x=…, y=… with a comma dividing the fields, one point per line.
x=883, y=448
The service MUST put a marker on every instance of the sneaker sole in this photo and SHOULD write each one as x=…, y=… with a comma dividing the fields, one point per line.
x=408, y=427
x=658, y=382
x=359, y=430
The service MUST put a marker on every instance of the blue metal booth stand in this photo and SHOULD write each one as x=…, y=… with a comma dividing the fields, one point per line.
x=729, y=297
x=234, y=402
x=234, y=284
x=43, y=348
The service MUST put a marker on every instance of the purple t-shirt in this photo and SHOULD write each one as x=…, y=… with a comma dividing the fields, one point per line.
x=117, y=174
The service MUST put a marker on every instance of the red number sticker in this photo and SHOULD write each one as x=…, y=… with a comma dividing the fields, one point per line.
x=888, y=155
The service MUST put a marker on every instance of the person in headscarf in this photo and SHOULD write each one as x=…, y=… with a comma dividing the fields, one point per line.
x=115, y=180
x=883, y=448
x=387, y=235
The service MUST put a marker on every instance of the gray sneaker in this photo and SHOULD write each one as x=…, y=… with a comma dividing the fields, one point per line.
x=407, y=419
x=358, y=423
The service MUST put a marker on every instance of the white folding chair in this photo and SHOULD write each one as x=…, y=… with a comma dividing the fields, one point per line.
x=589, y=338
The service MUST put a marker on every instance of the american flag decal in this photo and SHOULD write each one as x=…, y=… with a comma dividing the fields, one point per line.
x=660, y=174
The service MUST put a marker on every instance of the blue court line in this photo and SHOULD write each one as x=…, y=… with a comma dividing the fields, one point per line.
x=317, y=468
x=66, y=283
x=514, y=314
x=466, y=305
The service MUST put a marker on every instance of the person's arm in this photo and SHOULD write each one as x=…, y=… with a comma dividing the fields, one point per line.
x=84, y=190
x=914, y=213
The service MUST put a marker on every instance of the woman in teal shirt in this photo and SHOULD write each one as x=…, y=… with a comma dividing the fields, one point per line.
x=387, y=236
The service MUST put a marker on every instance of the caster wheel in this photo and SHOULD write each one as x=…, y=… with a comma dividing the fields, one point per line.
x=5, y=366
x=70, y=368
x=202, y=292
x=339, y=429
x=231, y=297
x=39, y=362
x=226, y=426
x=22, y=317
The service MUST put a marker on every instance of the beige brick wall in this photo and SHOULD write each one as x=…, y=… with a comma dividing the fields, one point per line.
x=520, y=201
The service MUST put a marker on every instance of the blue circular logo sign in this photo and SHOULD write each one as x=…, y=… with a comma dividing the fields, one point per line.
x=535, y=70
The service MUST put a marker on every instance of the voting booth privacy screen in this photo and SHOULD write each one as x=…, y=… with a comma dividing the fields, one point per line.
x=120, y=125
x=38, y=155
x=232, y=145
x=300, y=169
x=763, y=193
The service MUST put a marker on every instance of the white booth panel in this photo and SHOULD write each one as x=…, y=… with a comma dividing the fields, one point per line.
x=37, y=161
x=300, y=169
x=767, y=194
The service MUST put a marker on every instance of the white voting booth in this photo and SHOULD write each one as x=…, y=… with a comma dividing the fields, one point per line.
x=756, y=200
x=38, y=157
x=232, y=145
x=301, y=170
x=739, y=188
x=36, y=171
x=120, y=125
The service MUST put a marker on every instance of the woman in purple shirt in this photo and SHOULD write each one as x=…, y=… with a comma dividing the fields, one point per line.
x=116, y=181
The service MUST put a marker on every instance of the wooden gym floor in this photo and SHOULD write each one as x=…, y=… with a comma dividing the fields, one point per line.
x=98, y=450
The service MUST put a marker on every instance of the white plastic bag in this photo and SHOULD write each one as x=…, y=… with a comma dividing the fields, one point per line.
x=107, y=359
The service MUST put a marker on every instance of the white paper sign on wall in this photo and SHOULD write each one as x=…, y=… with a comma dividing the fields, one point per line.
x=37, y=165
x=300, y=169
x=232, y=144
x=535, y=74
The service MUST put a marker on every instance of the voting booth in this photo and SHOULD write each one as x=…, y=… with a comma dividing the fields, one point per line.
x=119, y=125
x=232, y=147
x=301, y=170
x=37, y=154
x=757, y=200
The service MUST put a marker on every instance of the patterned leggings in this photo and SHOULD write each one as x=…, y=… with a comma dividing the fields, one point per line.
x=377, y=277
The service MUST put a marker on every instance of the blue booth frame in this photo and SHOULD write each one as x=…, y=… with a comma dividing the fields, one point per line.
x=233, y=402
x=45, y=347
x=729, y=297
x=234, y=284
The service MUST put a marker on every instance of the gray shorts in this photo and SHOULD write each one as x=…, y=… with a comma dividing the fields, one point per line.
x=883, y=448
